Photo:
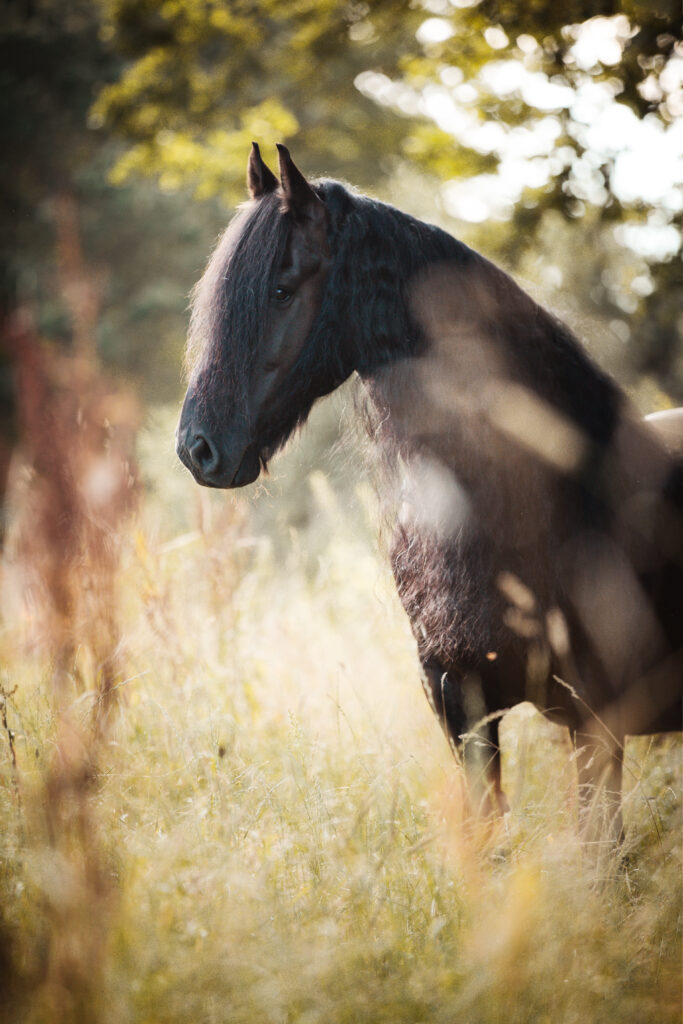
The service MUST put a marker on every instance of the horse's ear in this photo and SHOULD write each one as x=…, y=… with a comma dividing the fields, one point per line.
x=298, y=196
x=260, y=179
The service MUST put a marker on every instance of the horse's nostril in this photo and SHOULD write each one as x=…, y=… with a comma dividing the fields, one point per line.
x=203, y=454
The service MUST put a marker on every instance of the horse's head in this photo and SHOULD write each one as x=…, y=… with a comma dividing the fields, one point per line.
x=252, y=313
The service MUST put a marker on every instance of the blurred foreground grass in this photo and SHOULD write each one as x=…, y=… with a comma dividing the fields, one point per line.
x=271, y=828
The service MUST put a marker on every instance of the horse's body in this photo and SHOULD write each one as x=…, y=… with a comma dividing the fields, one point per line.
x=538, y=523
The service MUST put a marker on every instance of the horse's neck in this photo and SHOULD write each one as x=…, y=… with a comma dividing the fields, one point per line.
x=500, y=405
x=470, y=391
x=447, y=463
x=502, y=399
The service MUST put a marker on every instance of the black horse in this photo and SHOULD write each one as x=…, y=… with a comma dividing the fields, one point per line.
x=538, y=523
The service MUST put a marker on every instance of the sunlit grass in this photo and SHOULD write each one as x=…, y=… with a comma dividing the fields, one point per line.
x=272, y=828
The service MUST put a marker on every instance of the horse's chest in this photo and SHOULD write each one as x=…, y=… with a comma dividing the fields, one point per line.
x=448, y=589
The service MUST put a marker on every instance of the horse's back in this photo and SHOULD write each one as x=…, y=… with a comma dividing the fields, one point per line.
x=668, y=425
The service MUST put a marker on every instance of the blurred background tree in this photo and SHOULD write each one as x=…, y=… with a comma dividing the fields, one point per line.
x=516, y=118
x=97, y=265
x=547, y=135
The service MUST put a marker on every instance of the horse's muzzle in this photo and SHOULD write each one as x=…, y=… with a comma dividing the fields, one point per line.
x=213, y=467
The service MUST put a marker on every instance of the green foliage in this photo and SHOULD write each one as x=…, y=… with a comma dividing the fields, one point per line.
x=202, y=83
x=184, y=159
x=141, y=250
x=195, y=68
x=361, y=89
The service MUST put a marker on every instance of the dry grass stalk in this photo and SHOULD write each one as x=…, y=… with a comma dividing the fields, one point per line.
x=73, y=501
x=76, y=434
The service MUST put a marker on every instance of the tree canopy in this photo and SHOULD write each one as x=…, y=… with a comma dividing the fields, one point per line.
x=204, y=77
x=549, y=135
x=524, y=110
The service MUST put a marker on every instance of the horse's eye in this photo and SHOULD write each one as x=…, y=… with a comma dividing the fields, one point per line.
x=282, y=294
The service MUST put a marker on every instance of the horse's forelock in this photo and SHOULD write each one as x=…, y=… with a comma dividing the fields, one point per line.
x=228, y=304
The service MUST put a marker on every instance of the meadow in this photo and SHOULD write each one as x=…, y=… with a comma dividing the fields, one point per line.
x=258, y=819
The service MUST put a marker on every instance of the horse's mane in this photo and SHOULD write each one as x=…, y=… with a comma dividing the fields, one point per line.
x=249, y=253
x=364, y=321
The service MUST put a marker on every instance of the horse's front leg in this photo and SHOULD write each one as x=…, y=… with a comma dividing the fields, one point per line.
x=446, y=692
x=445, y=697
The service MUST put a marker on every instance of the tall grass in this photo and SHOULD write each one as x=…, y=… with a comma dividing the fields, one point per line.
x=270, y=827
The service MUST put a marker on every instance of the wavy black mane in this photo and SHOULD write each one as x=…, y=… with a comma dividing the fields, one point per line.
x=226, y=321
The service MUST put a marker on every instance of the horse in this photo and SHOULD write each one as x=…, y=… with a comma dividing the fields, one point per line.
x=537, y=521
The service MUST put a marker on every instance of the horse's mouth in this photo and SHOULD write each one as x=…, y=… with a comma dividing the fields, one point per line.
x=248, y=469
